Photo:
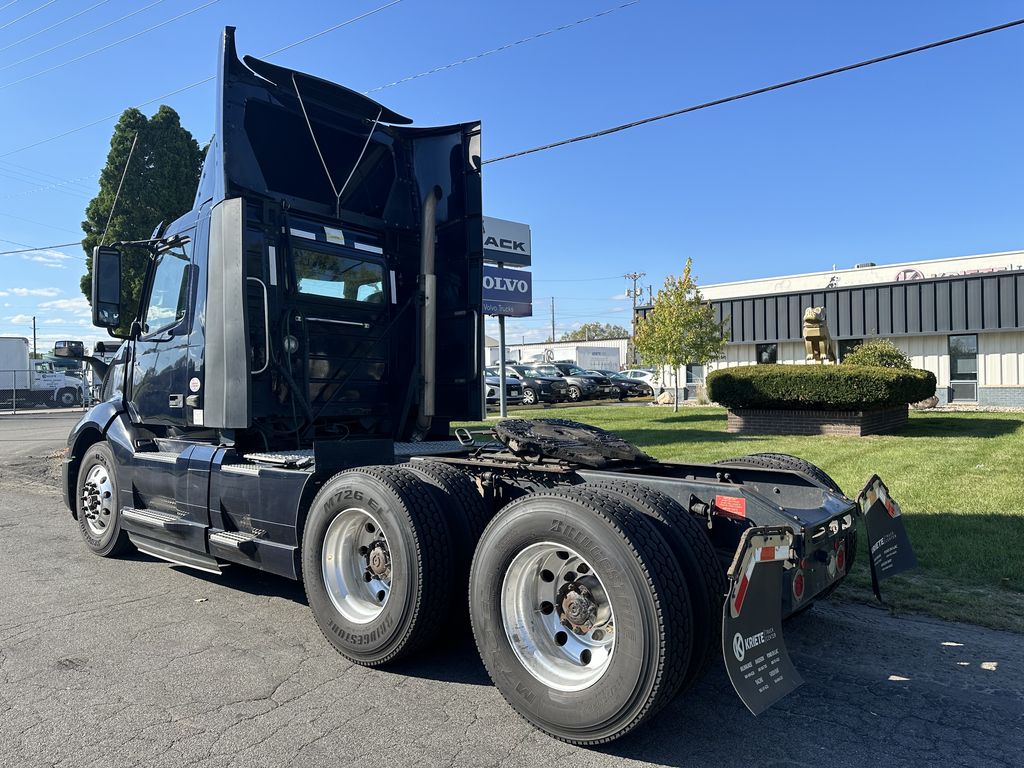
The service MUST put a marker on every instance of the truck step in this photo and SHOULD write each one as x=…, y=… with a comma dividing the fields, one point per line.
x=151, y=518
x=244, y=542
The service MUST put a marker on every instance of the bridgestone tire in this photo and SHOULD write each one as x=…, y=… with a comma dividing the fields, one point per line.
x=785, y=461
x=466, y=514
x=115, y=541
x=705, y=576
x=645, y=589
x=420, y=553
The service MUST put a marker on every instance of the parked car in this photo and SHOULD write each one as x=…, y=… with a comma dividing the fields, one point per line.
x=582, y=384
x=513, y=389
x=537, y=387
x=627, y=387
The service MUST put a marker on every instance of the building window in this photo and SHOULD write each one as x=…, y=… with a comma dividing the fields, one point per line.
x=963, y=367
x=767, y=353
x=846, y=346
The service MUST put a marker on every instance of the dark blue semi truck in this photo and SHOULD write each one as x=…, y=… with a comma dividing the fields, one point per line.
x=284, y=400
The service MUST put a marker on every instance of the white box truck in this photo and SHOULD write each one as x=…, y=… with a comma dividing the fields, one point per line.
x=33, y=382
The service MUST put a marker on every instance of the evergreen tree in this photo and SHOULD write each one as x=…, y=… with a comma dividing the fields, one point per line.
x=159, y=186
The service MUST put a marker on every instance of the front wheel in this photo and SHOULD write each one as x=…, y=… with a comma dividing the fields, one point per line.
x=580, y=613
x=67, y=398
x=574, y=393
x=529, y=396
x=99, y=515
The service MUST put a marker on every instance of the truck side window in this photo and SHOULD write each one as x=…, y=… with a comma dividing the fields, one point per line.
x=168, y=298
x=335, y=276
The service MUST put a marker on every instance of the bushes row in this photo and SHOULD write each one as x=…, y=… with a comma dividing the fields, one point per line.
x=828, y=387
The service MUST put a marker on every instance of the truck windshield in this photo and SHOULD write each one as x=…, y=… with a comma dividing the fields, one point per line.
x=337, y=276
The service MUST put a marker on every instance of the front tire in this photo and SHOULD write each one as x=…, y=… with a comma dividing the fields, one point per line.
x=67, y=398
x=376, y=563
x=529, y=396
x=574, y=393
x=580, y=613
x=99, y=514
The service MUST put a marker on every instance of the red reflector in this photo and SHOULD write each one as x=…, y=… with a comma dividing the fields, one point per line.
x=734, y=505
x=767, y=553
x=798, y=586
x=841, y=558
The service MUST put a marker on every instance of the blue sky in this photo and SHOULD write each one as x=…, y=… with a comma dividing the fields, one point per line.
x=917, y=158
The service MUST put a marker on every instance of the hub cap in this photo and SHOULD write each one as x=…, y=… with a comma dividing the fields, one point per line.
x=557, y=617
x=357, y=565
x=98, y=502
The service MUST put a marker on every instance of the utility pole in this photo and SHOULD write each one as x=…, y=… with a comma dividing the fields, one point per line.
x=35, y=354
x=634, y=293
x=552, y=319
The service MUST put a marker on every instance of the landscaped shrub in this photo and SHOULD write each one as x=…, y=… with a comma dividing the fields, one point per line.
x=828, y=387
x=880, y=352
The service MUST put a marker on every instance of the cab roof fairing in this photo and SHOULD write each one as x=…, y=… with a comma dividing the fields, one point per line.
x=245, y=155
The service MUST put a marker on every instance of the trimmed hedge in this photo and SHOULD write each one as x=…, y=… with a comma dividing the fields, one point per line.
x=828, y=387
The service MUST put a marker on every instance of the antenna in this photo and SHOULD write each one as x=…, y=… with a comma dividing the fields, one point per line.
x=117, y=194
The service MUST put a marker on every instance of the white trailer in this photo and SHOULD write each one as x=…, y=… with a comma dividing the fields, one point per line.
x=28, y=382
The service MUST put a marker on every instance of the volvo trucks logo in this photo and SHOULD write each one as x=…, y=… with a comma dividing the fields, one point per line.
x=509, y=284
x=507, y=292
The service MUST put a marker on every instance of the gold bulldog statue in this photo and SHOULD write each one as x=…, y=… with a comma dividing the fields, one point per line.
x=817, y=339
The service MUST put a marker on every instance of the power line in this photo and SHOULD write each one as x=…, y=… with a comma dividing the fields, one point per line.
x=196, y=84
x=111, y=45
x=501, y=48
x=757, y=91
x=25, y=15
x=45, y=187
x=5, y=6
x=56, y=24
x=76, y=38
x=39, y=223
x=41, y=248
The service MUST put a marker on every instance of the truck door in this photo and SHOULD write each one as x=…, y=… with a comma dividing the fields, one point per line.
x=160, y=364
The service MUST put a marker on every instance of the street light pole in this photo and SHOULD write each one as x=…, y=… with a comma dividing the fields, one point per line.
x=634, y=292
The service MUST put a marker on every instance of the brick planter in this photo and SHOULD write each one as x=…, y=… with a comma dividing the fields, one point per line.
x=764, y=421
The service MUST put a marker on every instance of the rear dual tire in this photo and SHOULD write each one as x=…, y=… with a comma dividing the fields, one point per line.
x=635, y=593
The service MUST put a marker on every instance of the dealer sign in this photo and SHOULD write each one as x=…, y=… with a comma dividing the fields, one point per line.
x=506, y=242
x=508, y=292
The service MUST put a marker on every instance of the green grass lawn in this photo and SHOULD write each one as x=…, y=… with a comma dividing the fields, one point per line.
x=959, y=478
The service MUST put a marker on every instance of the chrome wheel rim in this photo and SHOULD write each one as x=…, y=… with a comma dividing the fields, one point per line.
x=357, y=567
x=98, y=504
x=529, y=397
x=557, y=617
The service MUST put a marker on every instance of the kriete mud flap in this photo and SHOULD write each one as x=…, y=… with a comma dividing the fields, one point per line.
x=889, y=548
x=755, y=653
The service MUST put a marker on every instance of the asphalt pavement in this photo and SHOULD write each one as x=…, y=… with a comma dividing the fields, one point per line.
x=135, y=662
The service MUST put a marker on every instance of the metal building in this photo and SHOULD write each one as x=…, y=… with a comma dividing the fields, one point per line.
x=962, y=319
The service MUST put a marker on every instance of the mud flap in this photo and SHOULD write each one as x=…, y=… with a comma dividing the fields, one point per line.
x=755, y=654
x=889, y=546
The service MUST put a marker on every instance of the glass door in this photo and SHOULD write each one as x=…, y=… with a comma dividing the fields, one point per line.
x=963, y=368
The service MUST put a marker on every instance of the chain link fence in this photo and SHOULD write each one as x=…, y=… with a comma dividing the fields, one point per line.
x=30, y=389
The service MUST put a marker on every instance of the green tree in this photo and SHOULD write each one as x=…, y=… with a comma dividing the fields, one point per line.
x=878, y=352
x=159, y=186
x=680, y=329
x=593, y=331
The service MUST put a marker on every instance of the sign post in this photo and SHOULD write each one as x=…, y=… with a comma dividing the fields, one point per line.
x=507, y=292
